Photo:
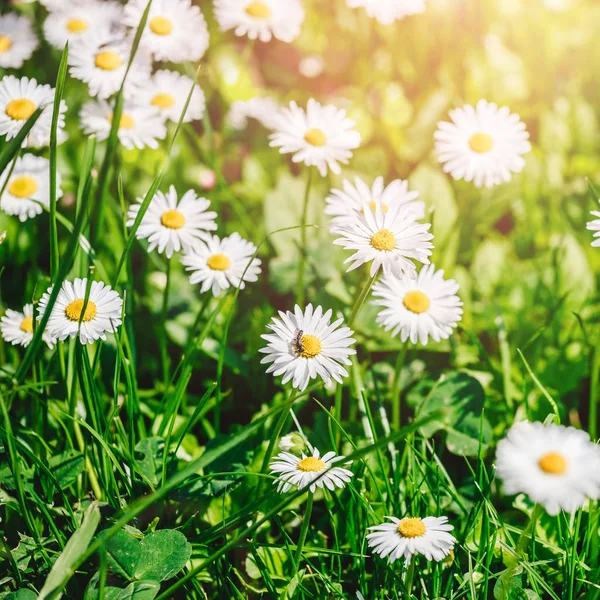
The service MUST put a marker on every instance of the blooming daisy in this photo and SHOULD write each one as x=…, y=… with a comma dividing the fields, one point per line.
x=17, y=41
x=139, y=126
x=168, y=91
x=74, y=22
x=594, y=225
x=321, y=136
x=305, y=344
x=556, y=466
x=28, y=187
x=175, y=31
x=17, y=328
x=261, y=19
x=388, y=11
x=421, y=308
x=171, y=225
x=388, y=239
x=309, y=471
x=218, y=264
x=483, y=144
x=341, y=204
x=102, y=311
x=263, y=109
x=19, y=99
x=101, y=59
x=409, y=536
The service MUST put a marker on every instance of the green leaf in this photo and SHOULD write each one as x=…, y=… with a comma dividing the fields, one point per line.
x=124, y=553
x=67, y=467
x=21, y=595
x=150, y=462
x=140, y=590
x=164, y=554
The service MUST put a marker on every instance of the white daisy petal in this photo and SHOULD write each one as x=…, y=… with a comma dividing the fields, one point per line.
x=17, y=41
x=262, y=109
x=388, y=11
x=17, y=328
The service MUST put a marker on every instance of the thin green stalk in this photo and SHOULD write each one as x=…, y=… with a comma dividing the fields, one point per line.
x=361, y=299
x=303, y=532
x=164, y=341
x=397, y=388
x=408, y=579
x=528, y=534
x=303, y=237
x=594, y=391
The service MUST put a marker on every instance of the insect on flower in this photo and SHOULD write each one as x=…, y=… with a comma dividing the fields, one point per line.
x=298, y=341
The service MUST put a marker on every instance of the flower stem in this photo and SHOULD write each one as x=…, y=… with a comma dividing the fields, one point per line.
x=302, y=260
x=283, y=415
x=361, y=299
x=594, y=392
x=163, y=327
x=408, y=579
x=303, y=532
x=397, y=389
x=529, y=532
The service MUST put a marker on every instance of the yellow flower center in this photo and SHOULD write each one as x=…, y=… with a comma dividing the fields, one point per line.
x=125, y=122
x=218, y=262
x=311, y=465
x=161, y=26
x=73, y=310
x=23, y=187
x=373, y=206
x=77, y=25
x=258, y=10
x=553, y=463
x=27, y=325
x=172, y=219
x=416, y=301
x=383, y=240
x=315, y=137
x=309, y=346
x=481, y=142
x=411, y=528
x=108, y=60
x=20, y=109
x=5, y=44
x=163, y=100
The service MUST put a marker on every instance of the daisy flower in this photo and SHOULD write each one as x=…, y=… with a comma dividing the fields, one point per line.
x=17, y=328
x=309, y=471
x=409, y=536
x=176, y=31
x=388, y=11
x=17, y=41
x=305, y=345
x=218, y=264
x=102, y=311
x=556, y=466
x=594, y=225
x=483, y=144
x=19, y=99
x=140, y=126
x=171, y=225
x=263, y=109
x=168, y=91
x=389, y=239
x=28, y=187
x=321, y=136
x=261, y=19
x=100, y=60
x=342, y=204
x=421, y=308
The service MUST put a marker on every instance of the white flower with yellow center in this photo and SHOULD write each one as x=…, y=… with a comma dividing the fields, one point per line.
x=68, y=318
x=342, y=204
x=17, y=328
x=391, y=239
x=139, y=126
x=388, y=11
x=321, y=136
x=168, y=91
x=218, y=264
x=28, y=187
x=17, y=41
x=19, y=99
x=483, y=144
x=556, y=466
x=75, y=22
x=410, y=536
x=305, y=345
x=100, y=60
x=175, y=31
x=261, y=19
x=171, y=225
x=310, y=471
x=418, y=308
x=262, y=109
x=594, y=225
